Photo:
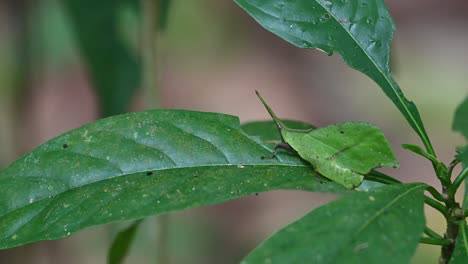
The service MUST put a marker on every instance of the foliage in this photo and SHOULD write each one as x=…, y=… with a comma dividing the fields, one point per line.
x=136, y=165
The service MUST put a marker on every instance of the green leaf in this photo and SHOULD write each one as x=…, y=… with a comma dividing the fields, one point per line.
x=359, y=30
x=460, y=253
x=460, y=121
x=418, y=150
x=441, y=168
x=136, y=165
x=113, y=69
x=121, y=244
x=380, y=226
x=463, y=157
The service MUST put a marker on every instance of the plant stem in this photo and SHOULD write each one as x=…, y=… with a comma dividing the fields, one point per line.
x=453, y=209
x=149, y=48
x=436, y=205
x=452, y=165
x=435, y=194
x=149, y=55
x=451, y=234
x=457, y=182
x=431, y=233
x=378, y=176
x=434, y=241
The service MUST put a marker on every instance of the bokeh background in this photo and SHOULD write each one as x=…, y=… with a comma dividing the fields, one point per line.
x=212, y=58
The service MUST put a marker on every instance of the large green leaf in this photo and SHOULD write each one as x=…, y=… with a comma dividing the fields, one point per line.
x=359, y=30
x=112, y=67
x=135, y=165
x=380, y=226
x=460, y=121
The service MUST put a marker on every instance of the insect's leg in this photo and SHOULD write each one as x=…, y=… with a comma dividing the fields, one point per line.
x=317, y=176
x=281, y=145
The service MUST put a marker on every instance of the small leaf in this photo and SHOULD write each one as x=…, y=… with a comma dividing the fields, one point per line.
x=380, y=226
x=137, y=165
x=460, y=121
x=460, y=253
x=441, y=168
x=113, y=69
x=360, y=31
x=121, y=244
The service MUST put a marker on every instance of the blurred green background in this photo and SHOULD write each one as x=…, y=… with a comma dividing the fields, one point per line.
x=212, y=58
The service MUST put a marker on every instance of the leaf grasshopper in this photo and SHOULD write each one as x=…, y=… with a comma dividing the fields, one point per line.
x=343, y=152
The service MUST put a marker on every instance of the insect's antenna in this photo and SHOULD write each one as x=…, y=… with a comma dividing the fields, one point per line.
x=278, y=122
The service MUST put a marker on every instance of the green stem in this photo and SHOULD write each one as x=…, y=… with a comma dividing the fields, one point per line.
x=149, y=48
x=452, y=230
x=377, y=176
x=452, y=165
x=431, y=233
x=452, y=189
x=436, y=205
x=435, y=194
x=149, y=55
x=434, y=241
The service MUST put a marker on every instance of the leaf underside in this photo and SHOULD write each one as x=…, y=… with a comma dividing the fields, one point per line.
x=380, y=226
x=136, y=165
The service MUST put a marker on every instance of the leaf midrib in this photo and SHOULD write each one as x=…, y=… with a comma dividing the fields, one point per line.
x=159, y=170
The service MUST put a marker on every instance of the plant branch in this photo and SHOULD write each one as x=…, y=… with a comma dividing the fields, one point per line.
x=436, y=205
x=457, y=182
x=149, y=55
x=434, y=241
x=377, y=176
x=431, y=233
x=149, y=52
x=437, y=195
x=454, y=212
x=452, y=165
